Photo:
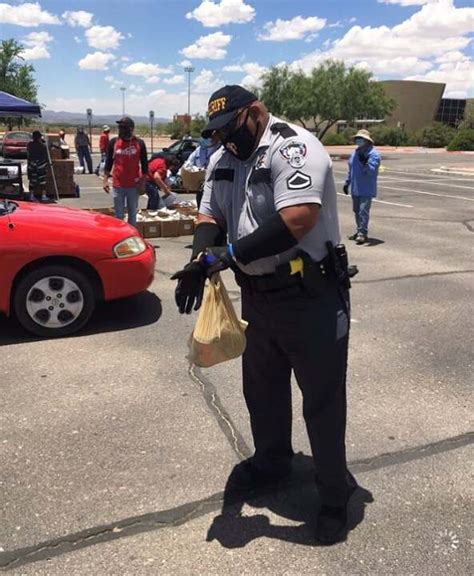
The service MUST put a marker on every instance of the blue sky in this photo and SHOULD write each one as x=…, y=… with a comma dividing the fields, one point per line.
x=84, y=51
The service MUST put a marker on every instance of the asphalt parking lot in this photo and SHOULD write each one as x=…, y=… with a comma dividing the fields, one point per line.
x=115, y=453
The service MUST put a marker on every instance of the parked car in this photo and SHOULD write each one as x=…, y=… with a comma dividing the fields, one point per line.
x=57, y=262
x=179, y=150
x=15, y=143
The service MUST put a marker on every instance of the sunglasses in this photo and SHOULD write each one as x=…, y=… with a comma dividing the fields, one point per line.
x=224, y=133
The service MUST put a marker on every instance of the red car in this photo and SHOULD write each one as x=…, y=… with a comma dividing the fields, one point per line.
x=56, y=262
x=15, y=143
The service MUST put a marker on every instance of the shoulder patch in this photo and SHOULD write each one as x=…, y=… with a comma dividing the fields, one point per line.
x=298, y=181
x=294, y=152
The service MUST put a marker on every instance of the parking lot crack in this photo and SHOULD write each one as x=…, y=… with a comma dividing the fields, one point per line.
x=223, y=419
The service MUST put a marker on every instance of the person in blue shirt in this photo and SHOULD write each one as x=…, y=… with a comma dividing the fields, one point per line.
x=200, y=159
x=361, y=180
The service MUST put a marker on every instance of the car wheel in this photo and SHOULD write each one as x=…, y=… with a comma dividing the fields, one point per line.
x=54, y=301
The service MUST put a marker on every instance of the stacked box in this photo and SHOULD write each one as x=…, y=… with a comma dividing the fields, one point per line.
x=64, y=173
x=151, y=229
x=186, y=227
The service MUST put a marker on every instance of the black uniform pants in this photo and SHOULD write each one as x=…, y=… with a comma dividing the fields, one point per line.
x=291, y=331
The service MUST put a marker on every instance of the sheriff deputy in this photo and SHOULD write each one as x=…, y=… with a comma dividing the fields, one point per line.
x=269, y=212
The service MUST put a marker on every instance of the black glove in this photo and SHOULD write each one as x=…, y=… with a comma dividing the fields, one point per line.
x=362, y=158
x=345, y=189
x=217, y=258
x=190, y=288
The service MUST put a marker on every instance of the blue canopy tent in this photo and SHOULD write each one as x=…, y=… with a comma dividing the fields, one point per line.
x=14, y=107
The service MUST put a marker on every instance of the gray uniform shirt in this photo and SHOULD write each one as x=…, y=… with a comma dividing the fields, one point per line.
x=282, y=172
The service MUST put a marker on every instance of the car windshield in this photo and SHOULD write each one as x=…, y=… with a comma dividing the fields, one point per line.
x=174, y=147
x=7, y=207
x=18, y=136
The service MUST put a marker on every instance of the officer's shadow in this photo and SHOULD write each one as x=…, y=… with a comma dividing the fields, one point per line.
x=295, y=499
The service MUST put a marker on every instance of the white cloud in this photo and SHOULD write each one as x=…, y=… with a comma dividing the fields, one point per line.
x=253, y=72
x=185, y=63
x=211, y=47
x=457, y=76
x=152, y=80
x=111, y=79
x=28, y=15
x=36, y=45
x=143, y=69
x=436, y=32
x=80, y=18
x=125, y=58
x=96, y=61
x=177, y=79
x=295, y=29
x=103, y=37
x=77, y=40
x=205, y=82
x=215, y=14
x=135, y=88
x=406, y=2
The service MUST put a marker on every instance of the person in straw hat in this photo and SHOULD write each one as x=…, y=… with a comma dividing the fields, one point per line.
x=361, y=180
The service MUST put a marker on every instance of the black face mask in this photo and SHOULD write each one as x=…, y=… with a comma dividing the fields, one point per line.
x=125, y=132
x=241, y=142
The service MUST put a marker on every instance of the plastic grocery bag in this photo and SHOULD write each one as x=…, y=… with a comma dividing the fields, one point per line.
x=218, y=335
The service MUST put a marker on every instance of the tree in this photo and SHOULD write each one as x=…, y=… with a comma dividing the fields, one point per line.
x=197, y=125
x=329, y=93
x=16, y=77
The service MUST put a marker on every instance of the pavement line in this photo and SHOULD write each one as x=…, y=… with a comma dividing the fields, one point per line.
x=419, y=174
x=410, y=190
x=380, y=201
x=408, y=276
x=424, y=181
x=181, y=514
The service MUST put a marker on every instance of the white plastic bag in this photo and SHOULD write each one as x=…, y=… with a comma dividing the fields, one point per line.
x=218, y=335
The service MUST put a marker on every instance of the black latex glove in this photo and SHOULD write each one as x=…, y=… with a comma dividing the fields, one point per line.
x=190, y=287
x=362, y=158
x=345, y=189
x=216, y=258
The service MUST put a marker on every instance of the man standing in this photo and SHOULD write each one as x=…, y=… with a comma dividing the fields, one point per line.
x=271, y=189
x=83, y=149
x=364, y=165
x=103, y=145
x=128, y=157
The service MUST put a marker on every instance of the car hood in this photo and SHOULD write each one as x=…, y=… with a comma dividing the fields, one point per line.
x=61, y=223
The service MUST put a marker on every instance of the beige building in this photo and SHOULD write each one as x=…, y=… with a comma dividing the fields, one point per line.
x=416, y=103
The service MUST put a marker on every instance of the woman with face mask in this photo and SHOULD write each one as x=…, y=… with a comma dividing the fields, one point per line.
x=361, y=179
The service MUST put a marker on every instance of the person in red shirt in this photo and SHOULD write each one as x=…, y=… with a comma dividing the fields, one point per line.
x=128, y=157
x=103, y=145
x=156, y=182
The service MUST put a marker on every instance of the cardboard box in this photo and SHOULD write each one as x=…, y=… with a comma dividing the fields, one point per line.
x=192, y=181
x=169, y=228
x=186, y=227
x=141, y=228
x=151, y=229
x=107, y=211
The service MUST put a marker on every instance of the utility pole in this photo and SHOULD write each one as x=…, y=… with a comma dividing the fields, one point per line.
x=89, y=122
x=122, y=88
x=152, y=120
x=189, y=70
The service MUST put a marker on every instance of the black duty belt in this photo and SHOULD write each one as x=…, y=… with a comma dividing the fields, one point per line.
x=300, y=271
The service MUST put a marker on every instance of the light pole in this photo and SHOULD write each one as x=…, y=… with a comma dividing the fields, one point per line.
x=122, y=88
x=189, y=70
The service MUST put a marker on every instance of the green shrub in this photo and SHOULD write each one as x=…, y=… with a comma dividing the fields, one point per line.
x=437, y=135
x=389, y=136
x=333, y=139
x=462, y=140
x=349, y=134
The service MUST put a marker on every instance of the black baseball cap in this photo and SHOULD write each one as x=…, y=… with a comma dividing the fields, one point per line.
x=223, y=106
x=126, y=121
